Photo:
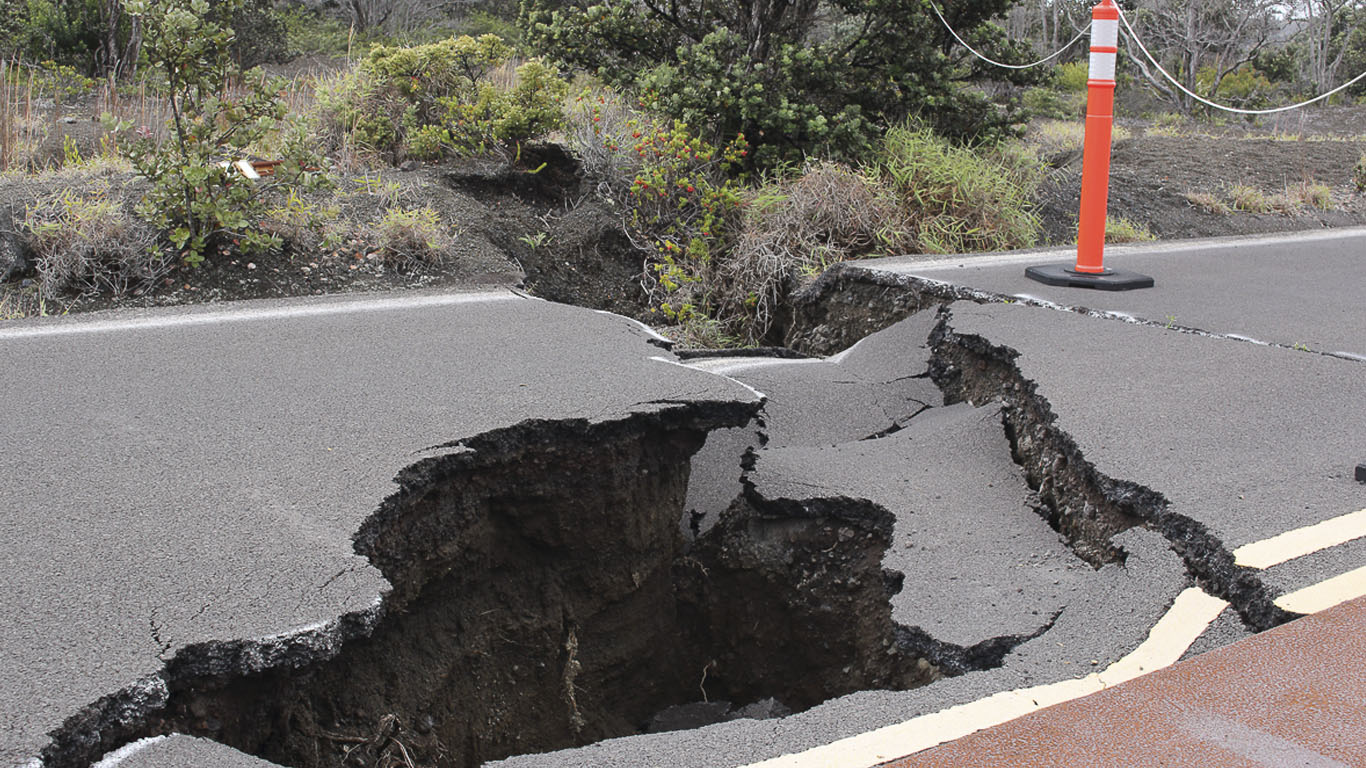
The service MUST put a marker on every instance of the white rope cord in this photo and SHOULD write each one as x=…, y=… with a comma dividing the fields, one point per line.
x=995, y=63
x=1134, y=36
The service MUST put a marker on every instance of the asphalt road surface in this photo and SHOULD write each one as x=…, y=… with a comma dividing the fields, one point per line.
x=178, y=477
x=192, y=476
x=1300, y=289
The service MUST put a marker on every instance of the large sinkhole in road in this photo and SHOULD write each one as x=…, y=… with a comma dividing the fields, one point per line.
x=546, y=596
x=552, y=586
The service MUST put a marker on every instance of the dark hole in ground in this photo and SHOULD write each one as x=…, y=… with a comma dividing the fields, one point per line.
x=545, y=598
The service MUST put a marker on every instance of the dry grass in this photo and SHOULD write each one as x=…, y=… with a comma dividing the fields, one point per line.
x=1121, y=230
x=22, y=125
x=88, y=241
x=1208, y=202
x=599, y=128
x=1311, y=194
x=828, y=214
x=1054, y=137
x=409, y=237
x=1249, y=199
x=18, y=302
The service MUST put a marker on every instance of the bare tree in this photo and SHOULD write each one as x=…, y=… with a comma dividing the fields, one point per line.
x=1048, y=24
x=1189, y=36
x=1325, y=21
x=394, y=16
x=116, y=58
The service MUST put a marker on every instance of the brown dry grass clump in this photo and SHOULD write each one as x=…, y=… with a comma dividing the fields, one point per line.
x=799, y=227
x=87, y=240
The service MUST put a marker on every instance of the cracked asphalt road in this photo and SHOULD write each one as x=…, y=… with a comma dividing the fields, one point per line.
x=1295, y=289
x=187, y=477
x=1248, y=439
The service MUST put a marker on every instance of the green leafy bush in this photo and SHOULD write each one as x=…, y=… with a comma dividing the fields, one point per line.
x=66, y=31
x=1072, y=77
x=197, y=198
x=1050, y=102
x=1245, y=87
x=796, y=78
x=681, y=208
x=445, y=99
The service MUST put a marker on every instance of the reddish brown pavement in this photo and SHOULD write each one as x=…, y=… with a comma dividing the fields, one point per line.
x=1293, y=696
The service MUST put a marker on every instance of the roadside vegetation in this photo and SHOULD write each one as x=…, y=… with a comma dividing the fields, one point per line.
x=144, y=140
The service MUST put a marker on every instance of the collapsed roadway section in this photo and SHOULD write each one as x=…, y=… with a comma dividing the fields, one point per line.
x=472, y=528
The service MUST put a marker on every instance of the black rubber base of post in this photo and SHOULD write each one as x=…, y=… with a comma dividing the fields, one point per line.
x=1109, y=280
x=1361, y=473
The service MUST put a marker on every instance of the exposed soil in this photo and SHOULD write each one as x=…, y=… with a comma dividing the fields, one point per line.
x=542, y=231
x=1151, y=175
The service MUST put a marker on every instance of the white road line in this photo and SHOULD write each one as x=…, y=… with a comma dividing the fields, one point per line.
x=126, y=751
x=162, y=321
x=1325, y=594
x=1302, y=541
x=1189, y=616
x=965, y=261
x=727, y=365
x=755, y=392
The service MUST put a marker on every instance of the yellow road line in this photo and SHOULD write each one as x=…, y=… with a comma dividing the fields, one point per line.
x=1325, y=594
x=1302, y=541
x=1190, y=615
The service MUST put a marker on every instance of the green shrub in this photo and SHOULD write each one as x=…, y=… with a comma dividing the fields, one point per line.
x=796, y=78
x=308, y=33
x=197, y=199
x=1245, y=87
x=1049, y=102
x=962, y=201
x=423, y=75
x=305, y=226
x=681, y=208
x=349, y=114
x=260, y=35
x=1072, y=77
x=480, y=23
x=444, y=98
x=66, y=31
x=1359, y=173
x=430, y=142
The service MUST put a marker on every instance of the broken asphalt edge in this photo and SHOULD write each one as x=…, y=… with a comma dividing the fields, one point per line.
x=123, y=716
x=1088, y=507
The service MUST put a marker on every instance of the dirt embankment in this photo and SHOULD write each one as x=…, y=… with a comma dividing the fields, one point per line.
x=548, y=232
x=1153, y=174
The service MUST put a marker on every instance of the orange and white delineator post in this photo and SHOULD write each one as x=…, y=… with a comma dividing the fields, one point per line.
x=1100, y=119
x=1090, y=271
